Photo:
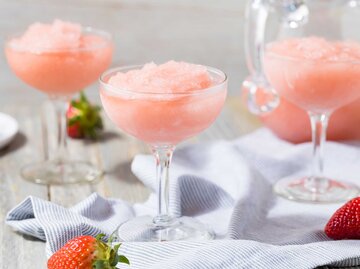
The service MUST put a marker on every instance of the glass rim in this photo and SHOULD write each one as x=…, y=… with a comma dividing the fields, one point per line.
x=119, y=91
x=39, y=50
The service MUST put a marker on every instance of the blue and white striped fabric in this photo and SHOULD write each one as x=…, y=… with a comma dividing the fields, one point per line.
x=227, y=185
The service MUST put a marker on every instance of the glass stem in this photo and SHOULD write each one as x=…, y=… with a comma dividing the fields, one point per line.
x=60, y=105
x=316, y=183
x=163, y=156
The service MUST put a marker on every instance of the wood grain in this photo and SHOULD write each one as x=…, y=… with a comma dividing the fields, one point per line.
x=16, y=250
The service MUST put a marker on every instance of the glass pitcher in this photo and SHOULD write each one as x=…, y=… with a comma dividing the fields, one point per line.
x=307, y=52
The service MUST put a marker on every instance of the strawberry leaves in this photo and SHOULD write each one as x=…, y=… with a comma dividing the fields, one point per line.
x=83, y=119
x=111, y=254
x=123, y=259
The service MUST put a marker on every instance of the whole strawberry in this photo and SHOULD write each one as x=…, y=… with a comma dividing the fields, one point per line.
x=345, y=223
x=86, y=252
x=83, y=118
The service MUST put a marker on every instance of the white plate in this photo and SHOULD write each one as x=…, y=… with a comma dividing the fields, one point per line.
x=8, y=129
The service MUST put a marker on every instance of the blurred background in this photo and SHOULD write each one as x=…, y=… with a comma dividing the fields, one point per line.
x=207, y=32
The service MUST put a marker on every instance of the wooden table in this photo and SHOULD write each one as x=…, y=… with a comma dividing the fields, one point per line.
x=113, y=153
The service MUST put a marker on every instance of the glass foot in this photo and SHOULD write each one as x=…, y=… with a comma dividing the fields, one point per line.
x=143, y=229
x=60, y=173
x=328, y=191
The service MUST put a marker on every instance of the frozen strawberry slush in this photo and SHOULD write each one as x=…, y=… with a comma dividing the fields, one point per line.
x=40, y=37
x=59, y=58
x=164, y=104
x=317, y=75
x=171, y=77
x=344, y=123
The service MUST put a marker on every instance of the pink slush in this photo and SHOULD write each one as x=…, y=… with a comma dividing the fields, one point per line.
x=313, y=73
x=58, y=59
x=164, y=104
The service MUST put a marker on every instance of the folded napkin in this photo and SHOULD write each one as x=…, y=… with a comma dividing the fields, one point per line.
x=228, y=185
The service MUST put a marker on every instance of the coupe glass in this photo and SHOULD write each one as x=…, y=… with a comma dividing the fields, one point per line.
x=322, y=78
x=60, y=73
x=162, y=120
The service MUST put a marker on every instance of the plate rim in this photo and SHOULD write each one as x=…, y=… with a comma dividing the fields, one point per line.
x=9, y=137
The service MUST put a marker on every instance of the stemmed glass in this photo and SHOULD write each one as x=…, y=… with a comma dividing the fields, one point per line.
x=60, y=73
x=309, y=54
x=162, y=120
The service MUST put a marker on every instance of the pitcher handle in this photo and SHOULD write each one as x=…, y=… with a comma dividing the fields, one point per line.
x=260, y=100
x=294, y=13
x=256, y=17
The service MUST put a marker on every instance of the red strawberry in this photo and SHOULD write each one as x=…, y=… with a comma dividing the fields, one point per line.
x=86, y=252
x=73, y=130
x=345, y=223
x=83, y=118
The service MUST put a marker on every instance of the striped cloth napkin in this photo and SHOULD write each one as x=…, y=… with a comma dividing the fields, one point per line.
x=228, y=185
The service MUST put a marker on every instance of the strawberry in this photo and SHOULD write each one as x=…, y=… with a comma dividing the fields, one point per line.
x=73, y=130
x=83, y=118
x=86, y=252
x=345, y=223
